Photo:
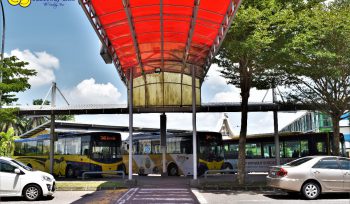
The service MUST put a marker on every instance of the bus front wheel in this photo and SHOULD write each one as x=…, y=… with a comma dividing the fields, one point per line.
x=227, y=166
x=173, y=170
x=201, y=169
x=122, y=167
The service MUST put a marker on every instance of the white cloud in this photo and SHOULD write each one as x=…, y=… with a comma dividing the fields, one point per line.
x=43, y=62
x=90, y=92
x=214, y=77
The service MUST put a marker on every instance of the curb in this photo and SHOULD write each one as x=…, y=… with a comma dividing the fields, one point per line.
x=86, y=188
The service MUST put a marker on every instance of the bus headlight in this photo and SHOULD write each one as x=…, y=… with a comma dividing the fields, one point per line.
x=46, y=178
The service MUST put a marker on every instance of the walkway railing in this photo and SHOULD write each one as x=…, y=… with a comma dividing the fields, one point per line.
x=103, y=172
x=211, y=172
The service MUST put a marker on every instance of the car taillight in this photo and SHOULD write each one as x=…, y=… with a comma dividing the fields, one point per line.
x=282, y=172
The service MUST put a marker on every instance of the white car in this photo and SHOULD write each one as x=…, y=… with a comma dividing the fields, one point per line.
x=17, y=179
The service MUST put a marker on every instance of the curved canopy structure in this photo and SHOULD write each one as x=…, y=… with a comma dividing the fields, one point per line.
x=161, y=41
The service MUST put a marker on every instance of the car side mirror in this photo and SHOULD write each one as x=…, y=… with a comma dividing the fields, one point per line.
x=17, y=171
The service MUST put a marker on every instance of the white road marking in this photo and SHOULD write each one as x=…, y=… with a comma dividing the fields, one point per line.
x=177, y=199
x=127, y=196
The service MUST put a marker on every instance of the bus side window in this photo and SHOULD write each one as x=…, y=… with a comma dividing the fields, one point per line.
x=253, y=150
x=46, y=147
x=321, y=148
x=269, y=150
x=85, y=145
x=39, y=147
x=304, y=148
x=292, y=149
x=18, y=149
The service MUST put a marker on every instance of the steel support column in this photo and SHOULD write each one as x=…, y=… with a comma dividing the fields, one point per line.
x=194, y=124
x=52, y=129
x=275, y=127
x=163, y=141
x=130, y=121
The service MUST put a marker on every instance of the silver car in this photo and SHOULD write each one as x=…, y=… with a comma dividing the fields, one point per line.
x=312, y=175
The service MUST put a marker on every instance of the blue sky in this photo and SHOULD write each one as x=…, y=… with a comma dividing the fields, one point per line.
x=62, y=46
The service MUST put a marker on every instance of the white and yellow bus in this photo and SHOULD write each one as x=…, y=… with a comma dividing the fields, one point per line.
x=147, y=156
x=75, y=152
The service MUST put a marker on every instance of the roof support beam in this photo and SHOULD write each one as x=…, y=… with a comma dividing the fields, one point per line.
x=224, y=28
x=101, y=34
x=162, y=33
x=133, y=33
x=136, y=44
x=189, y=40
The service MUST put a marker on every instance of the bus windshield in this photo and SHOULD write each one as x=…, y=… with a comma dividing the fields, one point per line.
x=210, y=151
x=105, y=151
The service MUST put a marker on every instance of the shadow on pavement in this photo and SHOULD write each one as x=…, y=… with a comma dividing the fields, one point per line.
x=295, y=196
x=19, y=199
x=105, y=196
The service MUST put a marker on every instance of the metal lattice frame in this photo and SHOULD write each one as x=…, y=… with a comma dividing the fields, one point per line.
x=95, y=22
x=225, y=26
x=101, y=33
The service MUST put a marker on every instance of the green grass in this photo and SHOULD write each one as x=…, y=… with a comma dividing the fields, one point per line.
x=88, y=184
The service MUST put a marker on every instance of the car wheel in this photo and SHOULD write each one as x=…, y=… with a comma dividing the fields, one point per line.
x=311, y=190
x=32, y=192
x=173, y=170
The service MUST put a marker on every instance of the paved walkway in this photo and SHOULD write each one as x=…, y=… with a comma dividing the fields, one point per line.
x=158, y=195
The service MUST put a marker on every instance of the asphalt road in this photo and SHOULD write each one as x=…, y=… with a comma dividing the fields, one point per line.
x=144, y=195
x=268, y=197
x=60, y=198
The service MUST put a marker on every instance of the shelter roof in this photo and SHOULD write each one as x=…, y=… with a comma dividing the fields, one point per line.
x=166, y=35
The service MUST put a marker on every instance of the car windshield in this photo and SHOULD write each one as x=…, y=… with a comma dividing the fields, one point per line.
x=22, y=165
x=298, y=161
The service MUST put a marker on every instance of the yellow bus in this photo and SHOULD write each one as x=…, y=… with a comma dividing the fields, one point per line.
x=147, y=156
x=75, y=152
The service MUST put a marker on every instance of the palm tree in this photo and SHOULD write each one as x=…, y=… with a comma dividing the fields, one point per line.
x=7, y=142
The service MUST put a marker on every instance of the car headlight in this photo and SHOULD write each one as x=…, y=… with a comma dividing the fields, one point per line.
x=46, y=178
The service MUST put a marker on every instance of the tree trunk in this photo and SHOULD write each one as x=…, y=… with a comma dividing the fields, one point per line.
x=245, y=89
x=242, y=140
x=336, y=135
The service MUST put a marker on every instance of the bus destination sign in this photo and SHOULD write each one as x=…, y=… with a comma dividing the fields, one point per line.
x=107, y=138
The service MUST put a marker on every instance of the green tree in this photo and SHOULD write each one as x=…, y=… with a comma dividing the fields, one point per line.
x=251, y=53
x=319, y=56
x=15, y=79
x=7, y=142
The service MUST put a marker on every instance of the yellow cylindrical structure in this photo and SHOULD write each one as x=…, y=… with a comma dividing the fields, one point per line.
x=164, y=89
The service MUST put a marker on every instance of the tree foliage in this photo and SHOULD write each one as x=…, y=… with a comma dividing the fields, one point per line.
x=252, y=53
x=15, y=79
x=7, y=142
x=319, y=57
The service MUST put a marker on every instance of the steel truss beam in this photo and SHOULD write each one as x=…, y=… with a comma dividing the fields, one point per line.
x=136, y=44
x=224, y=28
x=97, y=26
x=189, y=41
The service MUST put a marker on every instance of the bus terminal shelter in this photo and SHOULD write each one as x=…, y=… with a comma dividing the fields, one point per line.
x=162, y=50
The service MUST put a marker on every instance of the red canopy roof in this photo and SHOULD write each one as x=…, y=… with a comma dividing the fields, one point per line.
x=168, y=34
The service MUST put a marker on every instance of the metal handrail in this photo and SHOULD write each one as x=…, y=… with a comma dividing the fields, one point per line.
x=218, y=171
x=103, y=172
